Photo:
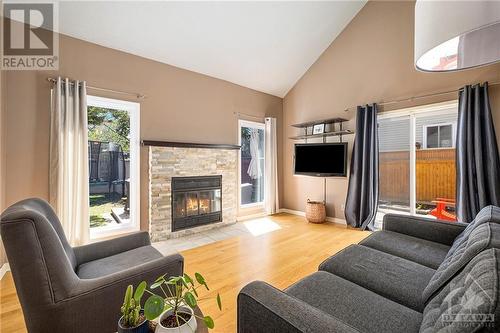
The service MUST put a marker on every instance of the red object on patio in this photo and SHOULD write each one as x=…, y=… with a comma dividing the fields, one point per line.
x=440, y=211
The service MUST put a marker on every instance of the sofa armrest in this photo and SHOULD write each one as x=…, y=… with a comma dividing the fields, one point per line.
x=111, y=247
x=438, y=231
x=263, y=308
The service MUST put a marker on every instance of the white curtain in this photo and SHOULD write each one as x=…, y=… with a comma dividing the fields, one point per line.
x=68, y=181
x=254, y=170
x=271, y=168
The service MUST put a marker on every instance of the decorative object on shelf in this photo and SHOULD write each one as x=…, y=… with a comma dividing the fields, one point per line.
x=315, y=211
x=319, y=129
x=455, y=35
x=175, y=309
x=133, y=319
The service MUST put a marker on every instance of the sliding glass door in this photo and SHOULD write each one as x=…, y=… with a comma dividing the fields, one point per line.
x=417, y=162
x=394, y=166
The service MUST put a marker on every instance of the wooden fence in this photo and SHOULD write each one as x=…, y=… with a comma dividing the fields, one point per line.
x=435, y=175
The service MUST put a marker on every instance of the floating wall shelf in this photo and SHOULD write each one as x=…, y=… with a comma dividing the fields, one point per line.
x=318, y=122
x=312, y=136
x=330, y=121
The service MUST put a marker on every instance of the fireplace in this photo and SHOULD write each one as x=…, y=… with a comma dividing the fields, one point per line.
x=196, y=201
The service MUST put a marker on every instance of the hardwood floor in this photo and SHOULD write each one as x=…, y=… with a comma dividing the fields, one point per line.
x=281, y=257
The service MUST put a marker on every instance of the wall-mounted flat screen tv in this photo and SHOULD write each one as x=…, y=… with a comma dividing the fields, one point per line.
x=321, y=159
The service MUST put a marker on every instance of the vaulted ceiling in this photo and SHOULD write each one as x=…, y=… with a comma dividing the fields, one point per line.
x=266, y=46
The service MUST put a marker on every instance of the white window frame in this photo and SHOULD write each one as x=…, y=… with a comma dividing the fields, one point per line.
x=257, y=125
x=135, y=177
x=453, y=134
x=412, y=113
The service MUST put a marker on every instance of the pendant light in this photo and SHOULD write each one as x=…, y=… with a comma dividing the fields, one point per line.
x=456, y=35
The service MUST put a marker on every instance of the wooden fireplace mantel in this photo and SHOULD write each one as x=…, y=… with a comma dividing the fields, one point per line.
x=188, y=145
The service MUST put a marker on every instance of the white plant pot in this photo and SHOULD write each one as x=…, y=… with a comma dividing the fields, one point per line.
x=189, y=327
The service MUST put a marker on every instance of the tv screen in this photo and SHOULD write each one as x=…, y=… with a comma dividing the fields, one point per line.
x=321, y=159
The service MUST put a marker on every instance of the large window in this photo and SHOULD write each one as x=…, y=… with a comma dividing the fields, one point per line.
x=415, y=177
x=251, y=163
x=113, y=150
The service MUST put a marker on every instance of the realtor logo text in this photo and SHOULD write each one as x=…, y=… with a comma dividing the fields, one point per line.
x=29, y=41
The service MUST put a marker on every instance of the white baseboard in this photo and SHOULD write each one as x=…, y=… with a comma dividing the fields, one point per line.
x=4, y=269
x=301, y=213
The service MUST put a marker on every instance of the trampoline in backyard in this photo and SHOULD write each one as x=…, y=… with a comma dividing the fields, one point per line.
x=108, y=184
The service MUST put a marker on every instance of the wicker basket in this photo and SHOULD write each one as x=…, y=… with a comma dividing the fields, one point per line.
x=315, y=211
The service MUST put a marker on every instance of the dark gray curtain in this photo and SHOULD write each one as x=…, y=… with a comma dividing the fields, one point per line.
x=362, y=196
x=478, y=165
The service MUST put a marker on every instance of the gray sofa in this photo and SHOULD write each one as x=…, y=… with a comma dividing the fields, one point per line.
x=79, y=289
x=415, y=275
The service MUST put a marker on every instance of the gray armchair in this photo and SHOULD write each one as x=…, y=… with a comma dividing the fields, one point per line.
x=65, y=289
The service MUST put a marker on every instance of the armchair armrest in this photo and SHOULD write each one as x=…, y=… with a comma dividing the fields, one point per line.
x=263, y=308
x=438, y=231
x=111, y=247
x=104, y=296
x=172, y=265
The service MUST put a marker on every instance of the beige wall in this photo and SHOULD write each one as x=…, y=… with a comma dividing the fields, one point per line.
x=372, y=60
x=180, y=106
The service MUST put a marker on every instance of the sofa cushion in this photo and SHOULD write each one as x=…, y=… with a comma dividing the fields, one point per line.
x=421, y=251
x=350, y=303
x=485, y=236
x=118, y=262
x=470, y=301
x=398, y=279
x=489, y=214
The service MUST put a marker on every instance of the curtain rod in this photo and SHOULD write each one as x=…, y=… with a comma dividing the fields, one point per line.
x=239, y=114
x=137, y=95
x=410, y=99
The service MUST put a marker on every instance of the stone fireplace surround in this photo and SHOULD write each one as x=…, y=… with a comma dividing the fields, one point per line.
x=168, y=162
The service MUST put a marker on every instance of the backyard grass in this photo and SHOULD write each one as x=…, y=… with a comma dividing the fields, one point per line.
x=100, y=206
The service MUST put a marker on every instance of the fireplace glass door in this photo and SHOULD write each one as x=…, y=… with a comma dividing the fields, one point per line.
x=209, y=201
x=179, y=205
x=191, y=203
x=196, y=201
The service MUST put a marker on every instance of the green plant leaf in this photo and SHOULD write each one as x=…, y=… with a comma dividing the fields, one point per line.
x=188, y=279
x=139, y=291
x=157, y=284
x=153, y=307
x=201, y=280
x=173, y=280
x=190, y=299
x=184, y=283
x=209, y=322
x=160, y=278
x=219, y=302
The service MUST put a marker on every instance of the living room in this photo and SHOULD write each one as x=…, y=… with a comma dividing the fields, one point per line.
x=250, y=166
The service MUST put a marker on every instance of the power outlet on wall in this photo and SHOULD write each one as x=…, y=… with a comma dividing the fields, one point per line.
x=342, y=207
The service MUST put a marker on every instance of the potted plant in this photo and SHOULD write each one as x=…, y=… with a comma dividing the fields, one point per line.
x=175, y=308
x=133, y=319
